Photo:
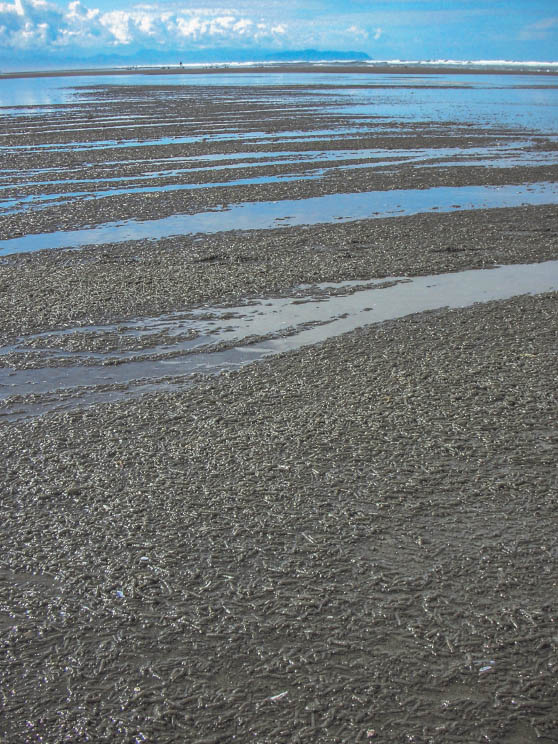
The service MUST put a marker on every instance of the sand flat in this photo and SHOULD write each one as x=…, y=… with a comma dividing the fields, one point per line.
x=354, y=541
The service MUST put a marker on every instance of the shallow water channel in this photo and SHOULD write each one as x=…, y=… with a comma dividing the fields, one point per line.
x=317, y=164
x=291, y=212
x=113, y=362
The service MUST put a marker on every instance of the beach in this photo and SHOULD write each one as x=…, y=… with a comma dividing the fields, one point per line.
x=352, y=541
x=392, y=67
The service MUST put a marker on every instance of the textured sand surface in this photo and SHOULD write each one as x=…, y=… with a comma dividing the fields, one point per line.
x=353, y=542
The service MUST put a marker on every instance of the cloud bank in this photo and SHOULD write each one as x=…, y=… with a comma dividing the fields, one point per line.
x=43, y=26
x=209, y=29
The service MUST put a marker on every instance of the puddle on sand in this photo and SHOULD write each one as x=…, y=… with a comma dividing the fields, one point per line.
x=230, y=135
x=308, y=316
x=291, y=212
x=188, y=331
x=43, y=201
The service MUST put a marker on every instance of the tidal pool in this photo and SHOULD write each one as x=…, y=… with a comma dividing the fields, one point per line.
x=226, y=337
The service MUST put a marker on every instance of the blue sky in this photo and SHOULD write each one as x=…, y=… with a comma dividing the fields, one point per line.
x=384, y=29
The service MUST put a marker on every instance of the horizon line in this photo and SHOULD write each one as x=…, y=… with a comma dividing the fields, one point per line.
x=340, y=65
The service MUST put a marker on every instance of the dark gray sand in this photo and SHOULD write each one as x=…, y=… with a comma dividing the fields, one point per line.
x=354, y=542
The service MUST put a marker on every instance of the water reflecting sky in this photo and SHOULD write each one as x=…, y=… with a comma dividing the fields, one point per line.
x=516, y=101
x=311, y=211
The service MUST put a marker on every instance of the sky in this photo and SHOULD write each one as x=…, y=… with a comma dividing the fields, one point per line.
x=384, y=29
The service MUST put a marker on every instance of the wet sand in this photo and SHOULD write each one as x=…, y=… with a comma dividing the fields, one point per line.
x=352, y=542
x=356, y=538
x=59, y=288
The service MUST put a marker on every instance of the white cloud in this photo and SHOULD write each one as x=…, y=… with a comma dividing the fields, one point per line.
x=540, y=30
x=42, y=25
x=360, y=33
